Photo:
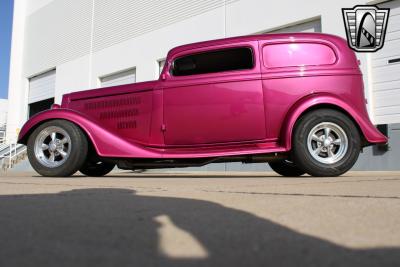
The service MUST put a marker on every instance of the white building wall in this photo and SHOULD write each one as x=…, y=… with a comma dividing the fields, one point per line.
x=88, y=39
x=385, y=76
x=17, y=93
x=3, y=111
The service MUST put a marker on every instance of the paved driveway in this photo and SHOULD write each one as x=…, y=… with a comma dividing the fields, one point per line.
x=235, y=219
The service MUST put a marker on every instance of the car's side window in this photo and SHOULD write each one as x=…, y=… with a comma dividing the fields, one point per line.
x=214, y=61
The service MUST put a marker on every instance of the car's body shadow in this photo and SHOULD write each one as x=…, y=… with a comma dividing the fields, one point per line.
x=116, y=227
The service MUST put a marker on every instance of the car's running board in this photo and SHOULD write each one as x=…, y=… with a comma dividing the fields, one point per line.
x=130, y=164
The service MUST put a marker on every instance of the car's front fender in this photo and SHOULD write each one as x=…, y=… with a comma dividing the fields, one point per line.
x=106, y=143
x=359, y=116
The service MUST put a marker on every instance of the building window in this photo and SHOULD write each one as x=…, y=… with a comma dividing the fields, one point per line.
x=214, y=61
x=42, y=86
x=42, y=89
x=161, y=64
x=119, y=78
x=40, y=106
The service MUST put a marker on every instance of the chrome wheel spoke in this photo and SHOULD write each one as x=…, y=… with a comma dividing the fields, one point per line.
x=317, y=151
x=316, y=138
x=64, y=141
x=327, y=131
x=330, y=153
x=45, y=147
x=337, y=142
x=62, y=153
x=53, y=136
x=52, y=157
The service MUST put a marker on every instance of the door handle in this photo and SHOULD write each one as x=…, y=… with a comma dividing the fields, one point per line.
x=394, y=60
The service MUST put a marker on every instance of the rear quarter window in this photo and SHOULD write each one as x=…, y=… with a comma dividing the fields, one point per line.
x=297, y=54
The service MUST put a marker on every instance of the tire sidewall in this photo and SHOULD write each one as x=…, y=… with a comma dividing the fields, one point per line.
x=79, y=150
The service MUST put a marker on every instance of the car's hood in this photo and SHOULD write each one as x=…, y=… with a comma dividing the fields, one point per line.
x=108, y=91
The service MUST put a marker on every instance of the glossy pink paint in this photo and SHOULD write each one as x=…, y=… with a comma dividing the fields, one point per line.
x=222, y=114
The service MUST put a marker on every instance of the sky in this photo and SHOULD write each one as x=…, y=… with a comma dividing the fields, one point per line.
x=6, y=14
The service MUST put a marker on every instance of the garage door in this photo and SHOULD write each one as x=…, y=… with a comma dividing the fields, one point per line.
x=311, y=26
x=386, y=71
x=42, y=87
x=123, y=77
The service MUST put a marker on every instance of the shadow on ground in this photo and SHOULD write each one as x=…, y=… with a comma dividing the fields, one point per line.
x=116, y=227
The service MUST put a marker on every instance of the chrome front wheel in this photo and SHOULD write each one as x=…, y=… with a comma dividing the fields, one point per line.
x=57, y=148
x=52, y=146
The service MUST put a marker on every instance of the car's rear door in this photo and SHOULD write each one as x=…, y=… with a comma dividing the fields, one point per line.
x=214, y=95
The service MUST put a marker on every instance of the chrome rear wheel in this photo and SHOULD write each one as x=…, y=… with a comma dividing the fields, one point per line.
x=327, y=142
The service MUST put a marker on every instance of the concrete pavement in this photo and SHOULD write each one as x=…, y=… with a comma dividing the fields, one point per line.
x=189, y=219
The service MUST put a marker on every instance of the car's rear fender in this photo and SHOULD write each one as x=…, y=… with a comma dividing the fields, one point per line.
x=315, y=101
x=106, y=143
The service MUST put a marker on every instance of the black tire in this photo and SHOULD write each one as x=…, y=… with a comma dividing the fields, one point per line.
x=77, y=154
x=96, y=169
x=301, y=154
x=286, y=168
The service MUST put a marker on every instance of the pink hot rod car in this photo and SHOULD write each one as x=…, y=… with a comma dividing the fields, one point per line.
x=295, y=101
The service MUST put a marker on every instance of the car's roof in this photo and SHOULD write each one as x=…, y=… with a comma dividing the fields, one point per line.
x=248, y=38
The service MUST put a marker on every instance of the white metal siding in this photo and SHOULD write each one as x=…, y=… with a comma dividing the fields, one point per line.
x=118, y=21
x=386, y=76
x=311, y=26
x=120, y=78
x=57, y=33
x=42, y=87
x=64, y=30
